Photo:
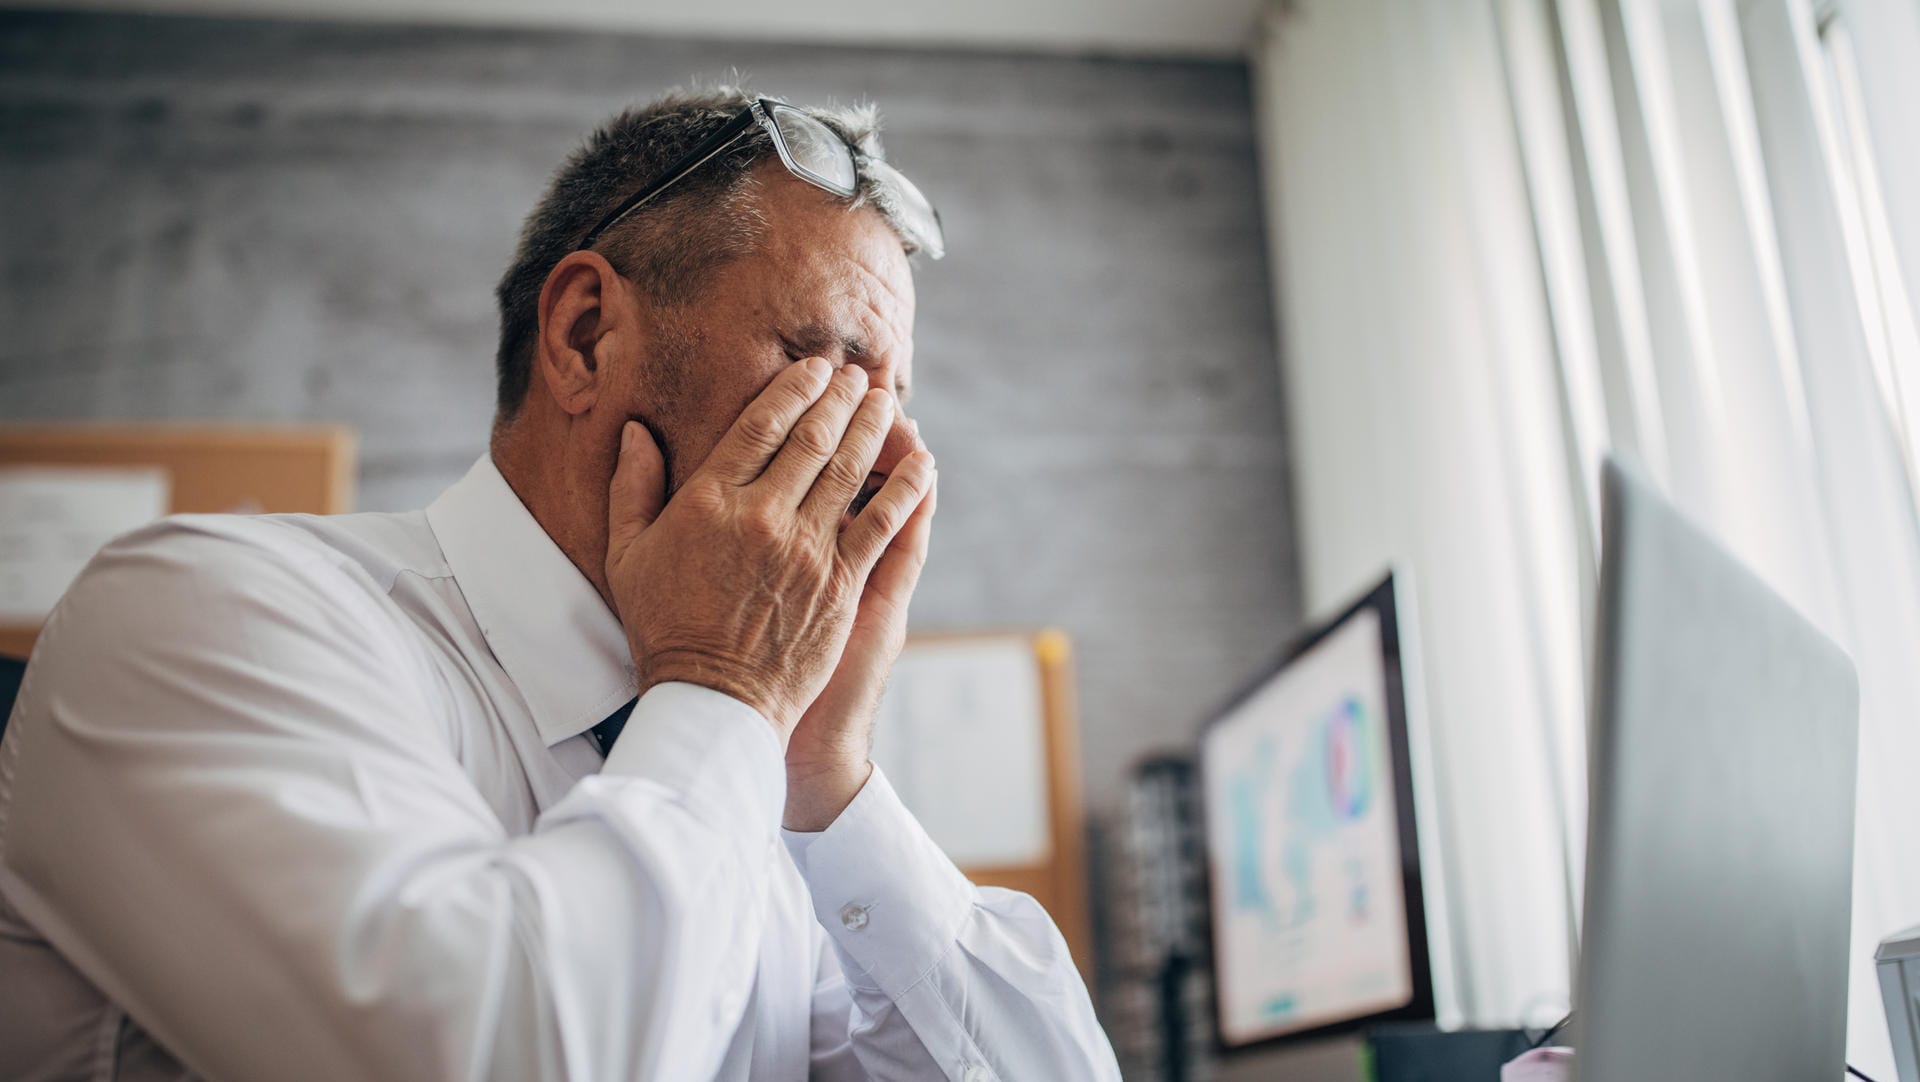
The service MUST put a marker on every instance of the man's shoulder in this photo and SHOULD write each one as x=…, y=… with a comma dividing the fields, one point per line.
x=369, y=550
x=345, y=564
x=382, y=545
x=235, y=581
x=198, y=623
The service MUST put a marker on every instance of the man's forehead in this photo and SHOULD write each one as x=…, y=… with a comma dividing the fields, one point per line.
x=842, y=273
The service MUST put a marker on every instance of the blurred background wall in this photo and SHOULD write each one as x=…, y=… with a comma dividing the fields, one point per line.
x=291, y=221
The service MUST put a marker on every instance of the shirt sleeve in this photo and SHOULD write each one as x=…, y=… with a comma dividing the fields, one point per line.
x=928, y=976
x=235, y=809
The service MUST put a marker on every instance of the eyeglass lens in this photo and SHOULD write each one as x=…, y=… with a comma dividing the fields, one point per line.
x=915, y=211
x=813, y=149
x=816, y=152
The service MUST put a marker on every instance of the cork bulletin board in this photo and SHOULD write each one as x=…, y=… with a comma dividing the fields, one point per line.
x=978, y=734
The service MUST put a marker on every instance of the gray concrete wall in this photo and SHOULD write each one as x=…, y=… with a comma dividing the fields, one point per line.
x=300, y=221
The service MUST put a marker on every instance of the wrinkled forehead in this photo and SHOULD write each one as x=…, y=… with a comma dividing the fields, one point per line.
x=839, y=274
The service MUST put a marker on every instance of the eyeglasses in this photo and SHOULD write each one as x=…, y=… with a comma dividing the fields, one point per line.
x=811, y=151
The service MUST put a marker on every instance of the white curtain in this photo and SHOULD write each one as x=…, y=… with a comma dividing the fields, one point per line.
x=1510, y=235
x=1426, y=432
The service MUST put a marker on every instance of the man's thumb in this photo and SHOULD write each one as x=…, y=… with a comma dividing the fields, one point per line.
x=639, y=487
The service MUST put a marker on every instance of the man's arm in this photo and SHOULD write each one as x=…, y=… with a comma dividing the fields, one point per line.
x=928, y=976
x=235, y=810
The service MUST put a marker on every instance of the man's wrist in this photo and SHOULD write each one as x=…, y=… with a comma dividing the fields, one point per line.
x=817, y=794
x=688, y=668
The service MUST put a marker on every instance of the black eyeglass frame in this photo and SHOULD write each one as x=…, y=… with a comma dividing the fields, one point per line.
x=760, y=112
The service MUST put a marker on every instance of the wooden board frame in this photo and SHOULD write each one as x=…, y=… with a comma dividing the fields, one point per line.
x=210, y=467
x=1060, y=882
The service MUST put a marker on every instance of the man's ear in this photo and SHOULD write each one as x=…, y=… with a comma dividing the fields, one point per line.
x=584, y=317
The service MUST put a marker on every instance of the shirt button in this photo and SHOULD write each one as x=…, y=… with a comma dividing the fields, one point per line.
x=854, y=917
x=976, y=1073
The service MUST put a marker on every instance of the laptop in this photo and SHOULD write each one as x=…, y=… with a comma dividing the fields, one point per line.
x=1720, y=832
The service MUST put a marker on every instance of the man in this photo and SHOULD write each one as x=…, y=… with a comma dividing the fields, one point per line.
x=497, y=790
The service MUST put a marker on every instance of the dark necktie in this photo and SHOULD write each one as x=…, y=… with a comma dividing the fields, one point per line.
x=608, y=731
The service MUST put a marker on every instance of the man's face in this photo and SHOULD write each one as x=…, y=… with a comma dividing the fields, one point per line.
x=826, y=282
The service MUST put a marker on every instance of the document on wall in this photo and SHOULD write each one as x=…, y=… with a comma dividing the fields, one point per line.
x=54, y=518
x=961, y=734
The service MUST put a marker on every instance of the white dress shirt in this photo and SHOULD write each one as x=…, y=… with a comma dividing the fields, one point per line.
x=312, y=798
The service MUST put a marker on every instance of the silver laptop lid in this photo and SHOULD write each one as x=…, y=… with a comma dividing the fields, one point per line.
x=1720, y=833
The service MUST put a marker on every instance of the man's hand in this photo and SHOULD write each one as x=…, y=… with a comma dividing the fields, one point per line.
x=827, y=760
x=743, y=582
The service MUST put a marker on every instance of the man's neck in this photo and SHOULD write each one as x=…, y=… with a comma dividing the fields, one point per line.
x=571, y=509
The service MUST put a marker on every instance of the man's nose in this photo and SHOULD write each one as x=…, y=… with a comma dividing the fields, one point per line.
x=903, y=438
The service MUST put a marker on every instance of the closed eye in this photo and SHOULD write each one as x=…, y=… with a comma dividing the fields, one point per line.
x=902, y=392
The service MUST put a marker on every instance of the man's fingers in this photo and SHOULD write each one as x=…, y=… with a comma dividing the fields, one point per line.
x=898, y=572
x=639, y=487
x=759, y=432
x=859, y=449
x=815, y=437
x=862, y=542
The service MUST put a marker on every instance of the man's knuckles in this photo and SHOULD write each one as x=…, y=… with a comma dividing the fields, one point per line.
x=843, y=474
x=814, y=437
x=761, y=430
x=766, y=522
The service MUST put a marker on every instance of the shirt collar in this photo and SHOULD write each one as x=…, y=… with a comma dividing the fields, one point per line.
x=560, y=644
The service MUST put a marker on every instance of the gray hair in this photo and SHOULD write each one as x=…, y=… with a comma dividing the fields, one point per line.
x=674, y=245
